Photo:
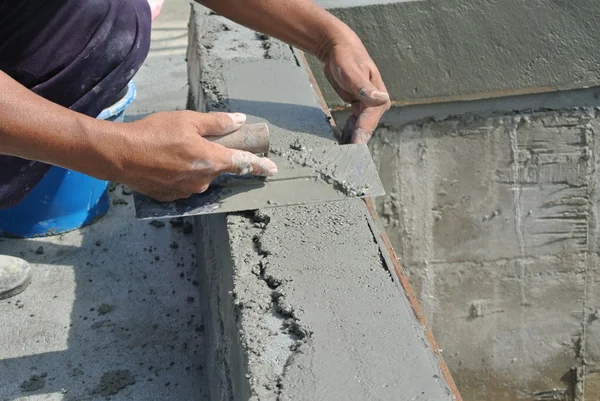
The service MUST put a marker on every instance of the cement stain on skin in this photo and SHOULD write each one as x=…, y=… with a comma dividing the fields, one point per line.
x=113, y=382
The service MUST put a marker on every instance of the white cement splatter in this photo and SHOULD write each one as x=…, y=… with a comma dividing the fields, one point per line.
x=248, y=163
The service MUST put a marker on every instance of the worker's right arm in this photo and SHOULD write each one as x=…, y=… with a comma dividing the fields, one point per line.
x=163, y=155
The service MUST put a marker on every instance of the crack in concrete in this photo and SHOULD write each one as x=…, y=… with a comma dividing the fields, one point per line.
x=514, y=142
x=289, y=323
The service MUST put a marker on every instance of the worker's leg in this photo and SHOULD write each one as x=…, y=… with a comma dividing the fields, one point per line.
x=79, y=54
x=15, y=276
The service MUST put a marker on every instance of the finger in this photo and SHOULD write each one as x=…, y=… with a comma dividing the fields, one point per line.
x=217, y=124
x=378, y=82
x=367, y=121
x=357, y=80
x=240, y=162
x=198, y=189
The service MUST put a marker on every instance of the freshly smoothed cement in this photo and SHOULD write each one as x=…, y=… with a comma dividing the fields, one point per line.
x=300, y=305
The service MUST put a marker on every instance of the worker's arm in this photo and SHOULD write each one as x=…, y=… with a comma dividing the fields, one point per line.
x=347, y=64
x=164, y=155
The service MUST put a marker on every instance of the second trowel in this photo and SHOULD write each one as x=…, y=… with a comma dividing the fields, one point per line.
x=322, y=174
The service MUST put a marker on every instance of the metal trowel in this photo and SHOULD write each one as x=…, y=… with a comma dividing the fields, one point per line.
x=324, y=174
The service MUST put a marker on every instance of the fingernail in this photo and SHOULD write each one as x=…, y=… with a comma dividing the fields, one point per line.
x=379, y=95
x=237, y=118
x=269, y=167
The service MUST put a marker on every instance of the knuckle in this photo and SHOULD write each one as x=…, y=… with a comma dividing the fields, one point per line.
x=188, y=117
x=222, y=120
x=187, y=114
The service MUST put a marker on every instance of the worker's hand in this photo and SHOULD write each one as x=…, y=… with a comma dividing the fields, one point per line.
x=166, y=157
x=356, y=79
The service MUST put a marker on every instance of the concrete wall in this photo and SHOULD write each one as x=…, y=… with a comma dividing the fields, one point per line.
x=470, y=48
x=494, y=216
x=491, y=204
x=301, y=303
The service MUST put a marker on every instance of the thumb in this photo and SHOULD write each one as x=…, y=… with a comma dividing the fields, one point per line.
x=217, y=124
x=371, y=96
x=357, y=81
x=241, y=162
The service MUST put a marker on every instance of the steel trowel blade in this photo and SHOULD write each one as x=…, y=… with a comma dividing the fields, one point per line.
x=305, y=176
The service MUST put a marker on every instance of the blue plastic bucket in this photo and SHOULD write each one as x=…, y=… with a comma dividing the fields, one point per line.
x=64, y=200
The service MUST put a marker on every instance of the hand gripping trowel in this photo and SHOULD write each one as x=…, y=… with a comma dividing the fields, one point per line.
x=322, y=174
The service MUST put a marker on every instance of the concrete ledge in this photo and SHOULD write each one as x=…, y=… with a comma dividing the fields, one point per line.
x=473, y=49
x=302, y=303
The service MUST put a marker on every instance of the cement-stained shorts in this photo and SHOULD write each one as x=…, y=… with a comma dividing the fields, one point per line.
x=76, y=53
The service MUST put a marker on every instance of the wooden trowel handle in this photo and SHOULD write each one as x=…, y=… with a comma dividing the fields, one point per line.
x=252, y=138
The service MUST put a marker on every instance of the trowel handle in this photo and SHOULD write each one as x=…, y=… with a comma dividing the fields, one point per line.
x=252, y=138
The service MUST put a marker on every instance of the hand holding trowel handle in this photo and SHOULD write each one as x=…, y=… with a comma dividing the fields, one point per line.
x=188, y=150
x=164, y=155
x=253, y=138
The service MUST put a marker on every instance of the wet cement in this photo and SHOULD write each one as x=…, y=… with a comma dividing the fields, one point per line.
x=317, y=270
x=299, y=301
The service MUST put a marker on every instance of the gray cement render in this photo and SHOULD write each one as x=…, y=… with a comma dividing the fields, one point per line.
x=113, y=311
x=494, y=216
x=457, y=48
x=299, y=305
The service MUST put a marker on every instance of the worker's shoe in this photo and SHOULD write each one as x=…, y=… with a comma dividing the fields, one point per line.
x=15, y=276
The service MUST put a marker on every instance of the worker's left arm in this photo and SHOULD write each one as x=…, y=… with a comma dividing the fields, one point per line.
x=347, y=64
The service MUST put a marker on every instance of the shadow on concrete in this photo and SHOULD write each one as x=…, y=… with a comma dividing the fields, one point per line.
x=290, y=117
x=112, y=312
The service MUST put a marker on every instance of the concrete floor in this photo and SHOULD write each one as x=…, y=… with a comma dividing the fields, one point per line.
x=113, y=310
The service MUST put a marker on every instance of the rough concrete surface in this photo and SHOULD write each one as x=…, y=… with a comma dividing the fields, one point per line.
x=299, y=303
x=113, y=310
x=495, y=217
x=458, y=48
